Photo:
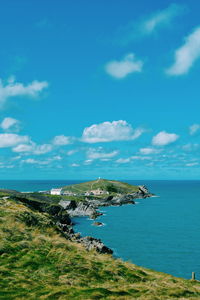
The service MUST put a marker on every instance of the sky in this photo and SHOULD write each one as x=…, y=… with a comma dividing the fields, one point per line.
x=99, y=88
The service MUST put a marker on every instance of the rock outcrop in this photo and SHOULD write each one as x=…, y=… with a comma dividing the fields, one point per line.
x=81, y=209
x=89, y=206
x=91, y=243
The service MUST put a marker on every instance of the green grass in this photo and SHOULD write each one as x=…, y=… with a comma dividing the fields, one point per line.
x=107, y=185
x=39, y=263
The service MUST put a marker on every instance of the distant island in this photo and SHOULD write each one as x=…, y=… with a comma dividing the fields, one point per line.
x=43, y=258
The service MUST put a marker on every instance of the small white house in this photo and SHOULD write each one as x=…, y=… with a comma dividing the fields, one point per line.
x=56, y=191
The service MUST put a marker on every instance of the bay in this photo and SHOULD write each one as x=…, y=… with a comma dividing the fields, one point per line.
x=161, y=233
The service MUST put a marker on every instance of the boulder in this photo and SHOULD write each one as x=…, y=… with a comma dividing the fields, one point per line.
x=97, y=224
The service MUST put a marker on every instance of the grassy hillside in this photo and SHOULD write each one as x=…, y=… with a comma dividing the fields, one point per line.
x=107, y=185
x=37, y=262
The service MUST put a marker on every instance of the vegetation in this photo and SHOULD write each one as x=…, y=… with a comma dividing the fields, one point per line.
x=47, y=198
x=37, y=262
x=103, y=184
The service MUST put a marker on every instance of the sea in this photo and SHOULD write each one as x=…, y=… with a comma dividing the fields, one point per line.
x=161, y=233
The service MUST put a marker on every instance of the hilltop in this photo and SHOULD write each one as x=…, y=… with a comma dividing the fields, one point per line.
x=39, y=261
x=112, y=186
x=85, y=198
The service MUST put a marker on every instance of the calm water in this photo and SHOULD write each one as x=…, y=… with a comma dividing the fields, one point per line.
x=162, y=233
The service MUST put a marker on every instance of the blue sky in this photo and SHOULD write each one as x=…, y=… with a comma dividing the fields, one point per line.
x=99, y=88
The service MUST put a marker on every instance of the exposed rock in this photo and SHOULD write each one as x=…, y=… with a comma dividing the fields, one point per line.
x=68, y=204
x=80, y=209
x=143, y=189
x=97, y=224
x=90, y=206
x=91, y=243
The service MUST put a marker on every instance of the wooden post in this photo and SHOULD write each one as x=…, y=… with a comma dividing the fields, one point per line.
x=193, y=275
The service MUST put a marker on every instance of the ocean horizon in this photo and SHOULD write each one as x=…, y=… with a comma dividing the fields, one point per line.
x=34, y=185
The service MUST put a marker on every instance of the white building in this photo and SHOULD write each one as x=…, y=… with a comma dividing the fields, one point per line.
x=56, y=191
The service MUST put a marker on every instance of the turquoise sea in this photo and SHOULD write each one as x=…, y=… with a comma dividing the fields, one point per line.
x=161, y=233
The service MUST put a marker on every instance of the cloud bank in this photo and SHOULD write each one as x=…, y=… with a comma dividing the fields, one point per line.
x=11, y=139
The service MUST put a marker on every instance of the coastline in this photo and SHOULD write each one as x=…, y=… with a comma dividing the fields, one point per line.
x=91, y=209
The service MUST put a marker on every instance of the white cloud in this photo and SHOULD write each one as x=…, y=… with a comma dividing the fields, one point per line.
x=71, y=152
x=110, y=131
x=88, y=162
x=11, y=139
x=137, y=157
x=149, y=150
x=99, y=153
x=131, y=158
x=42, y=149
x=192, y=164
x=15, y=158
x=75, y=165
x=41, y=162
x=56, y=157
x=6, y=166
x=61, y=140
x=13, y=89
x=123, y=160
x=194, y=129
x=33, y=148
x=186, y=55
x=23, y=148
x=10, y=124
x=161, y=18
x=191, y=147
x=150, y=24
x=120, y=69
x=164, y=138
x=35, y=161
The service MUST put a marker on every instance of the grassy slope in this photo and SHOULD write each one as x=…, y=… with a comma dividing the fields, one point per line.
x=103, y=184
x=38, y=263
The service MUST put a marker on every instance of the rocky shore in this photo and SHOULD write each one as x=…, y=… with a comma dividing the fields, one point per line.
x=90, y=208
x=62, y=213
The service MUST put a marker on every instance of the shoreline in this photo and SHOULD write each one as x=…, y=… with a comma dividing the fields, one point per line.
x=88, y=210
